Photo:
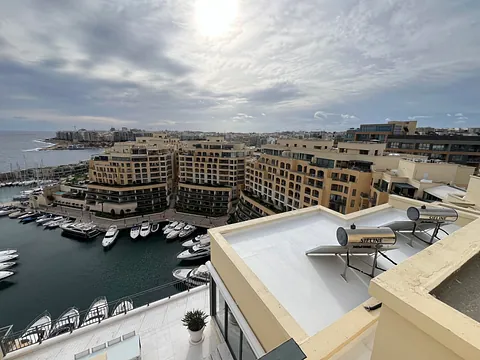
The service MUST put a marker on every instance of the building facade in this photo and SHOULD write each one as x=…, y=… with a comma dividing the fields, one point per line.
x=456, y=149
x=381, y=132
x=130, y=178
x=211, y=175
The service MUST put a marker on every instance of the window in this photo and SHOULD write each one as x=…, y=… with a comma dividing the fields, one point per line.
x=354, y=192
x=439, y=147
x=363, y=152
x=295, y=145
x=423, y=146
x=352, y=203
x=345, y=190
x=394, y=145
x=315, y=193
x=304, y=146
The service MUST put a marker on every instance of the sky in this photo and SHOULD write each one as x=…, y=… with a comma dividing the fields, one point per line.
x=238, y=65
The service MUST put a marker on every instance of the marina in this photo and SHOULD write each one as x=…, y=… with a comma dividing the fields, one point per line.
x=87, y=273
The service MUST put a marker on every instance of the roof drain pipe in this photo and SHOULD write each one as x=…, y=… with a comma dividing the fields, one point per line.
x=373, y=307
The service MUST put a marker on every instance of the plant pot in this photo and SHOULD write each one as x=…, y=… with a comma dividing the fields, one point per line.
x=196, y=337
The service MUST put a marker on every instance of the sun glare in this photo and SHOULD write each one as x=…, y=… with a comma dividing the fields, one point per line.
x=214, y=17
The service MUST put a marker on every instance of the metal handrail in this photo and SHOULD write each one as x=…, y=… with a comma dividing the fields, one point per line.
x=11, y=341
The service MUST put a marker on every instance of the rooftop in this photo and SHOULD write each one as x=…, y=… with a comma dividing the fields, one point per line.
x=443, y=191
x=161, y=332
x=311, y=289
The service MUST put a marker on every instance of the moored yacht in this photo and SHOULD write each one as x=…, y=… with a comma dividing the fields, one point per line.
x=145, y=228
x=180, y=226
x=29, y=219
x=173, y=234
x=192, y=275
x=80, y=230
x=16, y=214
x=26, y=215
x=8, y=252
x=55, y=224
x=110, y=236
x=7, y=211
x=187, y=230
x=4, y=274
x=123, y=307
x=45, y=218
x=8, y=258
x=135, y=231
x=97, y=312
x=170, y=227
x=67, y=322
x=7, y=265
x=196, y=240
x=54, y=220
x=155, y=228
x=38, y=329
x=198, y=251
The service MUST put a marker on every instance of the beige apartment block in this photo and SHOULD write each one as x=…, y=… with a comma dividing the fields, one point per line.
x=412, y=178
x=131, y=178
x=311, y=144
x=285, y=178
x=277, y=287
x=211, y=174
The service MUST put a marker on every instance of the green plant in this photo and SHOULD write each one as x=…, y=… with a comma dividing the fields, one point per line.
x=195, y=320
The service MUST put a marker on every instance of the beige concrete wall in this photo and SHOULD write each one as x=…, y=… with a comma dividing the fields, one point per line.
x=306, y=144
x=246, y=290
x=463, y=175
x=473, y=190
x=437, y=172
x=355, y=147
x=398, y=339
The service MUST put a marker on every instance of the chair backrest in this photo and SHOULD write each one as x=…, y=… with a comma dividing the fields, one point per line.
x=114, y=341
x=129, y=335
x=82, y=354
x=99, y=347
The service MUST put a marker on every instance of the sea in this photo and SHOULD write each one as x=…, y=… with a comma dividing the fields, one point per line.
x=20, y=149
x=54, y=273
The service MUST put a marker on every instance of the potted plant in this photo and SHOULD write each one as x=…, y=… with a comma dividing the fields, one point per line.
x=195, y=321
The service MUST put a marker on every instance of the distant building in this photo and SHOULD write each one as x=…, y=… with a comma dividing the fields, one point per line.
x=381, y=132
x=456, y=149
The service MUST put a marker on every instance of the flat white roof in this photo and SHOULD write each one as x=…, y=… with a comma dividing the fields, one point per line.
x=311, y=288
x=442, y=191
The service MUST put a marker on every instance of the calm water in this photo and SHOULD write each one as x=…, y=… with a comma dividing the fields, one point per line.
x=18, y=147
x=55, y=272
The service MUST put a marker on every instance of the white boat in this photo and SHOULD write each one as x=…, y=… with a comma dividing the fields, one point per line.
x=45, y=218
x=8, y=258
x=8, y=252
x=97, y=312
x=180, y=226
x=6, y=212
x=170, y=227
x=155, y=228
x=135, y=231
x=79, y=230
x=55, y=224
x=198, y=251
x=55, y=219
x=192, y=275
x=67, y=322
x=145, y=229
x=110, y=236
x=16, y=214
x=187, y=230
x=6, y=274
x=7, y=265
x=122, y=308
x=196, y=240
x=28, y=214
x=39, y=329
x=173, y=234
x=166, y=227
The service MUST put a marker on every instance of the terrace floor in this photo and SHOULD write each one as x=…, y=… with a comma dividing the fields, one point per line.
x=161, y=332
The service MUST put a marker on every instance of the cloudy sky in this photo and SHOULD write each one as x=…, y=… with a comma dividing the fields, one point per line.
x=238, y=65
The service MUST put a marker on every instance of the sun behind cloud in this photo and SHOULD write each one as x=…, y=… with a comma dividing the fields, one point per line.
x=214, y=17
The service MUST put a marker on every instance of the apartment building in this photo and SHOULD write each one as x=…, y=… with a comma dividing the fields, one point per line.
x=414, y=178
x=130, y=178
x=381, y=132
x=348, y=178
x=211, y=175
x=288, y=177
x=456, y=149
